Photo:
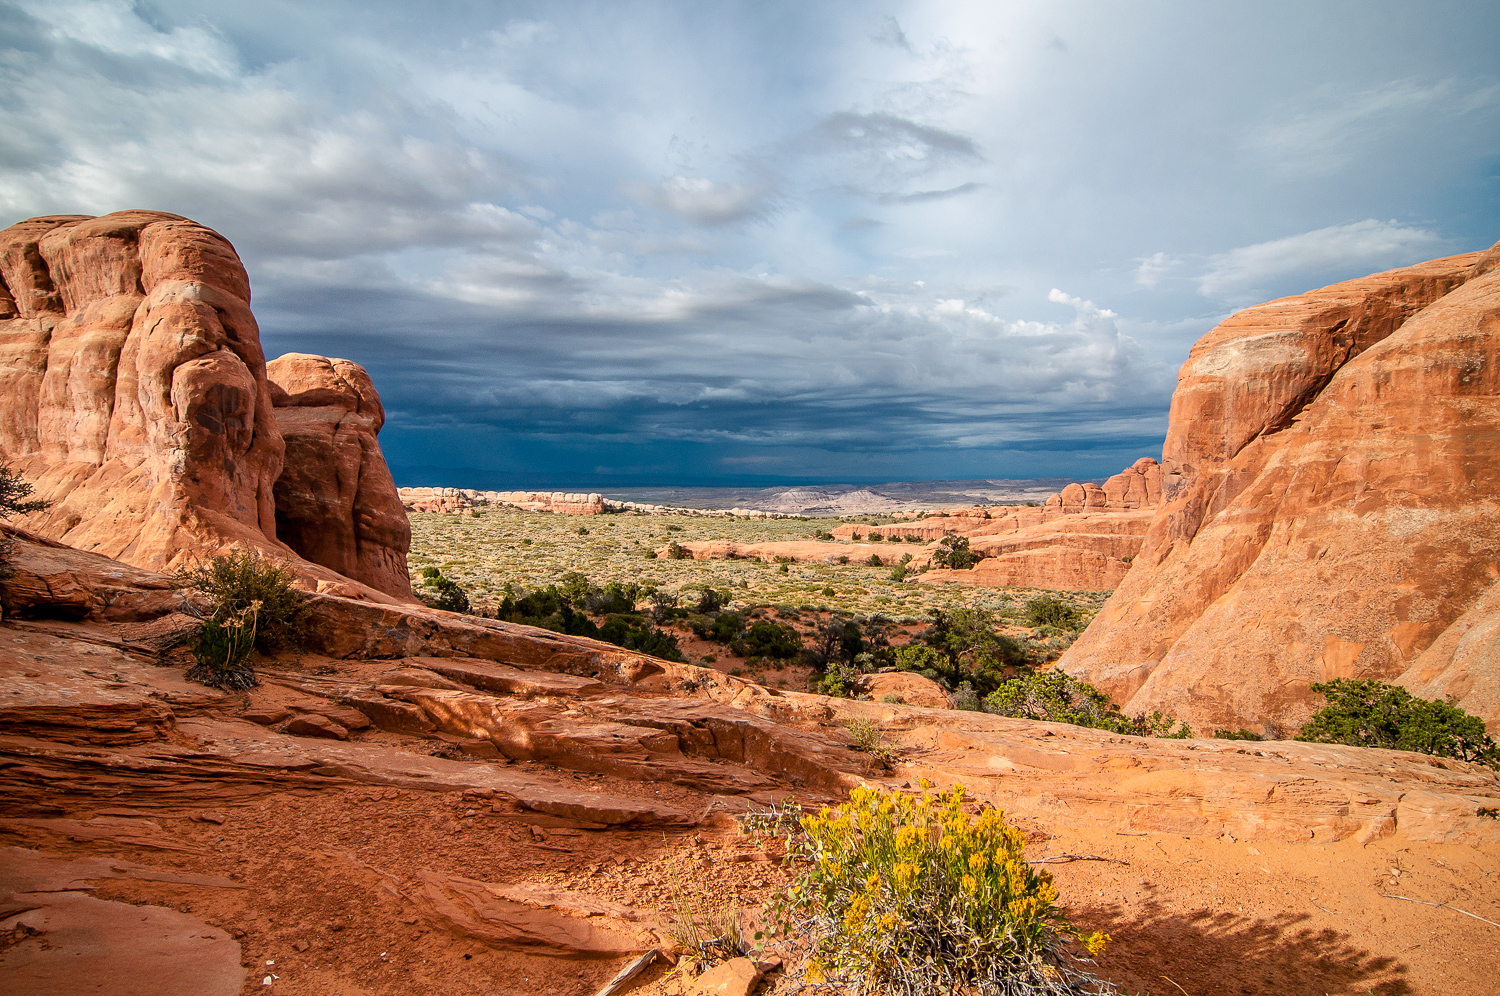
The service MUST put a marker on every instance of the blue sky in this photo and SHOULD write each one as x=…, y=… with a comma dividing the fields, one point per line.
x=715, y=242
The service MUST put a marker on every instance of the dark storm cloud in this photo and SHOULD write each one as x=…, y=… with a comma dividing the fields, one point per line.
x=817, y=240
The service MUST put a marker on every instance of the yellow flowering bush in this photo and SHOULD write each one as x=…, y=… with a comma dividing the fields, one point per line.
x=911, y=895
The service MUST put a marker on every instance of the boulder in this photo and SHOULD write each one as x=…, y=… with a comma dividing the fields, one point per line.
x=735, y=977
x=133, y=394
x=336, y=503
x=909, y=689
x=1331, y=471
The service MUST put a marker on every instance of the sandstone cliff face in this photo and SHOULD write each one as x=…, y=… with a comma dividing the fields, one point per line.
x=1333, y=478
x=133, y=389
x=336, y=503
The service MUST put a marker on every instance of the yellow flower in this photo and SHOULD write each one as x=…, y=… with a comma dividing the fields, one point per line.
x=1095, y=942
x=969, y=883
x=978, y=861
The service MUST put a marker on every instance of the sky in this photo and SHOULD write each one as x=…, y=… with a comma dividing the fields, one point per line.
x=724, y=243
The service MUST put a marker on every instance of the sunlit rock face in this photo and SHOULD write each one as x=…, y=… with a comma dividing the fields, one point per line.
x=133, y=393
x=1332, y=482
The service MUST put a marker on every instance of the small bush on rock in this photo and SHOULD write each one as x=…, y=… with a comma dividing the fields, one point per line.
x=907, y=894
x=236, y=581
x=1370, y=713
x=1056, y=697
x=222, y=651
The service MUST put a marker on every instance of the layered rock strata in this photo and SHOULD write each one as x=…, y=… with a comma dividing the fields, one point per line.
x=85, y=694
x=1332, y=472
x=133, y=394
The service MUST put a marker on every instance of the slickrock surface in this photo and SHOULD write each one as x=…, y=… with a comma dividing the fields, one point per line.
x=1334, y=481
x=336, y=503
x=133, y=394
x=429, y=802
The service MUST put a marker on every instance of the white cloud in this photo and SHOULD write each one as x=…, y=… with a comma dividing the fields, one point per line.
x=703, y=201
x=115, y=26
x=1334, y=127
x=1358, y=248
x=1153, y=268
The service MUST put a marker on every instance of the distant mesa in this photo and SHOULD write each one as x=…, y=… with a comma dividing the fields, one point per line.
x=1331, y=488
x=134, y=395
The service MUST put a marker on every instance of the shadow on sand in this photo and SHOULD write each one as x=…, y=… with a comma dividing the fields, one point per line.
x=1158, y=952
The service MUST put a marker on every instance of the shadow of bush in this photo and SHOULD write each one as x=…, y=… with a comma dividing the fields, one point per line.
x=1159, y=952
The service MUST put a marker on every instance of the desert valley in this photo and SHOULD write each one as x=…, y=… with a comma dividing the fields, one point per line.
x=547, y=778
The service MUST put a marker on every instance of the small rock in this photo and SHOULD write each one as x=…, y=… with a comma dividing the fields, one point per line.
x=266, y=715
x=209, y=816
x=315, y=726
x=300, y=945
x=736, y=977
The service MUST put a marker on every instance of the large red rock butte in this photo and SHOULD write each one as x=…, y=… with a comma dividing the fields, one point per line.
x=133, y=395
x=1332, y=483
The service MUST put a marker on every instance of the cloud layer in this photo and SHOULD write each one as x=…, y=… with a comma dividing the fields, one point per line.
x=584, y=241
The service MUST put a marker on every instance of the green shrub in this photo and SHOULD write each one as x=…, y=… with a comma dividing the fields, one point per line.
x=676, y=551
x=874, y=560
x=840, y=679
x=1056, y=697
x=14, y=494
x=965, y=698
x=1240, y=734
x=1367, y=713
x=910, y=894
x=633, y=633
x=236, y=581
x=222, y=651
x=869, y=739
x=953, y=553
x=1048, y=611
x=974, y=652
x=768, y=639
x=439, y=592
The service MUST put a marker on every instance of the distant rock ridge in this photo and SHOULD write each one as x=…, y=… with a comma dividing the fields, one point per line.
x=448, y=500
x=1331, y=479
x=133, y=394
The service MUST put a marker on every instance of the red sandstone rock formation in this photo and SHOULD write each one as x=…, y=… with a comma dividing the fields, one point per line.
x=1333, y=478
x=133, y=390
x=336, y=503
x=404, y=732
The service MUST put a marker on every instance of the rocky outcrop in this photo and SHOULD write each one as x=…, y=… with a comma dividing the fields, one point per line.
x=1333, y=487
x=576, y=705
x=1087, y=551
x=133, y=391
x=336, y=503
x=539, y=818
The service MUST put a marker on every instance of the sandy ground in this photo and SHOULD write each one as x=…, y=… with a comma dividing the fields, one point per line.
x=1202, y=917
